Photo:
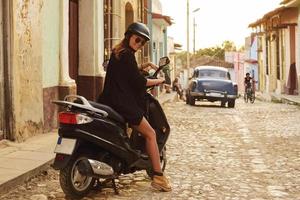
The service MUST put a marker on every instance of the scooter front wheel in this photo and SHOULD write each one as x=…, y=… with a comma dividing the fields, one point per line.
x=74, y=184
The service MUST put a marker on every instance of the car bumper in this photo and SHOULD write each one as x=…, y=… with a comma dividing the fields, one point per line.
x=206, y=95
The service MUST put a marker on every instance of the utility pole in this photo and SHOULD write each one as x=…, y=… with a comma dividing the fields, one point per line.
x=149, y=16
x=194, y=31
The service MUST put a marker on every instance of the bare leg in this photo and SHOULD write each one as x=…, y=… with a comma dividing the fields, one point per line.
x=151, y=145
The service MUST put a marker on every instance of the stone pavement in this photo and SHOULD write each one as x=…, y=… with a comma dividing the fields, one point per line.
x=19, y=162
x=250, y=152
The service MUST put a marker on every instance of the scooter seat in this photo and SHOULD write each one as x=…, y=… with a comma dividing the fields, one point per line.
x=111, y=112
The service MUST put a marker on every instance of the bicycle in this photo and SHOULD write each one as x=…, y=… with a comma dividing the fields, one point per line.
x=249, y=95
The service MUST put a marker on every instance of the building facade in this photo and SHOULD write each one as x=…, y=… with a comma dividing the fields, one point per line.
x=277, y=50
x=46, y=55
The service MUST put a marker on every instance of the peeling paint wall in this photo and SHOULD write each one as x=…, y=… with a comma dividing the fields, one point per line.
x=27, y=67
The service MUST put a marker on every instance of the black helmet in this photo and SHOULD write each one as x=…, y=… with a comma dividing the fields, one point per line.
x=139, y=29
x=247, y=74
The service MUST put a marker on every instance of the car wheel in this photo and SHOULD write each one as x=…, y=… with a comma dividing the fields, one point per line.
x=187, y=100
x=192, y=100
x=231, y=103
x=223, y=103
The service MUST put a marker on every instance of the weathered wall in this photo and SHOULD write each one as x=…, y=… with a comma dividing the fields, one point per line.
x=27, y=67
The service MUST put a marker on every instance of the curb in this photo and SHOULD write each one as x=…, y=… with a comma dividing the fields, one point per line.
x=7, y=186
x=277, y=99
x=290, y=102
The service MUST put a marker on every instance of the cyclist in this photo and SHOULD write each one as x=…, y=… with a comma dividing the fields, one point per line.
x=249, y=88
x=248, y=81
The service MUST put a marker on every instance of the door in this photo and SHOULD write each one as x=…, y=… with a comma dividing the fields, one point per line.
x=2, y=117
x=73, y=40
x=292, y=78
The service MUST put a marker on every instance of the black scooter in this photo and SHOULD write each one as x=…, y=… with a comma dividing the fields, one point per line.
x=95, y=147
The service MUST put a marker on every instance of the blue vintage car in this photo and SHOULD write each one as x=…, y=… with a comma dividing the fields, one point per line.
x=212, y=84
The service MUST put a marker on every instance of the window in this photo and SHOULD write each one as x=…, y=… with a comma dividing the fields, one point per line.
x=217, y=74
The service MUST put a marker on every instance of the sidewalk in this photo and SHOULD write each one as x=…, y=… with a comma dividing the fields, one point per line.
x=19, y=162
x=282, y=98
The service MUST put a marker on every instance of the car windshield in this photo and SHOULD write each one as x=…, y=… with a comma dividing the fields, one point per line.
x=218, y=74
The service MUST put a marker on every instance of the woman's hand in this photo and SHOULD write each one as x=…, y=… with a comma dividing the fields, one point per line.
x=153, y=82
x=148, y=65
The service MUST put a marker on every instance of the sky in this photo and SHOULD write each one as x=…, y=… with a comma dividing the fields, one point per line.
x=216, y=20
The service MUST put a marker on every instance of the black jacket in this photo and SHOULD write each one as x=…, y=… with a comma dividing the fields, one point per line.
x=125, y=87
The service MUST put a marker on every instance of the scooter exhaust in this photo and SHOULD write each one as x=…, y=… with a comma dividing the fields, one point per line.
x=94, y=168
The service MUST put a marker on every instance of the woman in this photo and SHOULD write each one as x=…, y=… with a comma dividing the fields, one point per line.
x=177, y=88
x=124, y=90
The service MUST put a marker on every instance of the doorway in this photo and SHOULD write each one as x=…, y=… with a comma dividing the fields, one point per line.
x=73, y=39
x=292, y=80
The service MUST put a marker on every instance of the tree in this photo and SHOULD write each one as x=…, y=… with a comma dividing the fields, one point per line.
x=228, y=46
x=217, y=52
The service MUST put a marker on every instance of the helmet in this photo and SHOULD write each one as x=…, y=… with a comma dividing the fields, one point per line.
x=247, y=74
x=139, y=29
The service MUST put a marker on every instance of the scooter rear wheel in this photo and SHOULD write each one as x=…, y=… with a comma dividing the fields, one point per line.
x=74, y=184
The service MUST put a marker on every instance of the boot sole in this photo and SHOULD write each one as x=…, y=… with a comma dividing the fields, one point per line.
x=159, y=187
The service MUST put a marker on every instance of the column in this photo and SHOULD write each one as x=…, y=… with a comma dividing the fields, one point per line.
x=65, y=79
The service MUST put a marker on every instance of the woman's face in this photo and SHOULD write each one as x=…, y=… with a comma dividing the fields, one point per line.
x=136, y=42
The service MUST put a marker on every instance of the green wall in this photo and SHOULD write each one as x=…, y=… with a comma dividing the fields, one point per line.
x=50, y=47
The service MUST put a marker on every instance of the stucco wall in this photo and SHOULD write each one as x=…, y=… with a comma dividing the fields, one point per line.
x=91, y=38
x=87, y=38
x=50, y=40
x=27, y=67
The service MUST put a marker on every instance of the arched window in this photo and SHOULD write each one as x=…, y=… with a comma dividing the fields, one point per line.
x=129, y=15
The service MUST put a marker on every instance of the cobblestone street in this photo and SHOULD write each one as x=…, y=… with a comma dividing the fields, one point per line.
x=249, y=152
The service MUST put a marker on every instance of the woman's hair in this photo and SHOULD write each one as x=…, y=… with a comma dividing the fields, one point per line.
x=122, y=46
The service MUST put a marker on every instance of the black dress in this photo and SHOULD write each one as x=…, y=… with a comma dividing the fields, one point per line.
x=125, y=87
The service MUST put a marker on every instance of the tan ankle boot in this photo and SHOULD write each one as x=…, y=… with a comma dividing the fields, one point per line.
x=161, y=183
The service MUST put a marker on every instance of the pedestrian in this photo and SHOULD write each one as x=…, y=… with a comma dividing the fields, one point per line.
x=176, y=86
x=125, y=89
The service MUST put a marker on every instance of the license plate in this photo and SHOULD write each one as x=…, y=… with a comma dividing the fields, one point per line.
x=65, y=146
x=214, y=94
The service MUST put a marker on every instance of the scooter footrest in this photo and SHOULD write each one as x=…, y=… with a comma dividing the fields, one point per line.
x=144, y=156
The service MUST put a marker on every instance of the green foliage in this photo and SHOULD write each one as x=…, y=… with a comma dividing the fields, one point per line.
x=228, y=46
x=217, y=52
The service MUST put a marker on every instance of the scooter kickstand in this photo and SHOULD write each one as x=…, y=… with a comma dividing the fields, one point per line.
x=114, y=186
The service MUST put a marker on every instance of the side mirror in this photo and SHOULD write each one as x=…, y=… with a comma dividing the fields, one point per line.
x=163, y=61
